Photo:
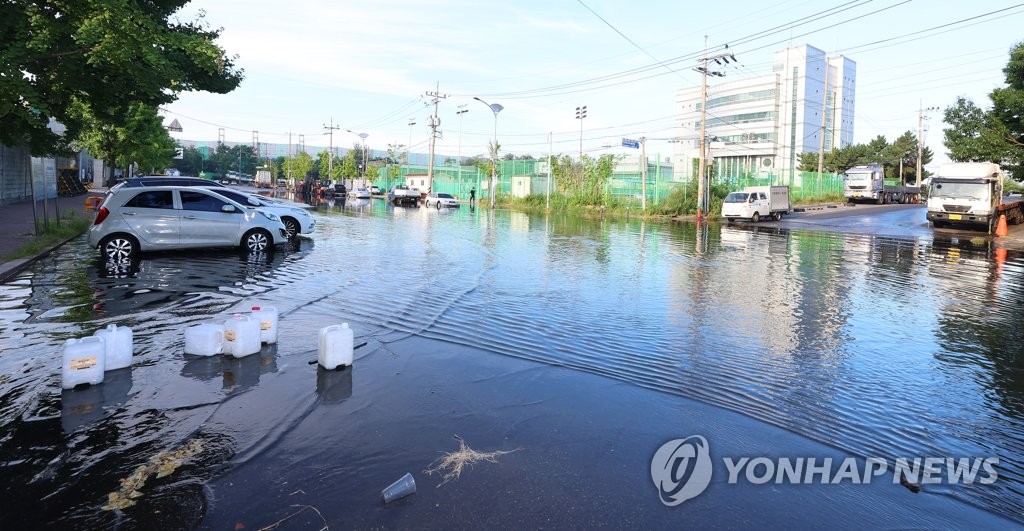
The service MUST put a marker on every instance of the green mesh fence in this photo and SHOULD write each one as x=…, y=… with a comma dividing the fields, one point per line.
x=520, y=178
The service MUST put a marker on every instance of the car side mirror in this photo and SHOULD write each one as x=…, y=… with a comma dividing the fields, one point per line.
x=253, y=201
x=227, y=208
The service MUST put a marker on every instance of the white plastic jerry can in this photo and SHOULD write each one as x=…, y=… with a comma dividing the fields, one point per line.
x=335, y=346
x=120, y=347
x=84, y=361
x=267, y=317
x=241, y=336
x=205, y=339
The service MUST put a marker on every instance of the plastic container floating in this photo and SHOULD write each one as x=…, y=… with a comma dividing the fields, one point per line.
x=119, y=346
x=241, y=336
x=84, y=361
x=204, y=339
x=335, y=346
x=267, y=317
x=405, y=486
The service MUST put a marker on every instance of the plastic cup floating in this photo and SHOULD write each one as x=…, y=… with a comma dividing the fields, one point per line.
x=405, y=486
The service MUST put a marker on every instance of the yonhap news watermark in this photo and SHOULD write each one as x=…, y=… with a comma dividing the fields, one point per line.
x=682, y=469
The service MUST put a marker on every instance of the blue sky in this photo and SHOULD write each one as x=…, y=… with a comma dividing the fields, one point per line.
x=367, y=65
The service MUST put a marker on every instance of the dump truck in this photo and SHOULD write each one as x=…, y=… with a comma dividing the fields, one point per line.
x=867, y=183
x=971, y=194
x=756, y=202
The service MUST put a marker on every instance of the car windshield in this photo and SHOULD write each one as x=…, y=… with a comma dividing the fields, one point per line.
x=737, y=197
x=445, y=196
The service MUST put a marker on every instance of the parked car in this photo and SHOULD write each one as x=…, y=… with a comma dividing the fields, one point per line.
x=137, y=219
x=441, y=200
x=340, y=190
x=376, y=190
x=362, y=193
x=161, y=180
x=296, y=220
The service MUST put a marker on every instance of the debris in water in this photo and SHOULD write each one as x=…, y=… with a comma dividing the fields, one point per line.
x=162, y=464
x=452, y=463
x=914, y=487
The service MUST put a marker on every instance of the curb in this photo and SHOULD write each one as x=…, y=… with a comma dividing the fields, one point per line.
x=13, y=267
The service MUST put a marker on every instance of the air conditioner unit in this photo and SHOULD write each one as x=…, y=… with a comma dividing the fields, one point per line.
x=766, y=162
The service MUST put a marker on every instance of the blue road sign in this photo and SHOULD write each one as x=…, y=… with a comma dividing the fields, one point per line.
x=630, y=143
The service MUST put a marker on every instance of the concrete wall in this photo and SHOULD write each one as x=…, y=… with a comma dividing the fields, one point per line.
x=15, y=174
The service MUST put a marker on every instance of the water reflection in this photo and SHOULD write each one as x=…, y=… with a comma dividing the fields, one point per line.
x=235, y=374
x=84, y=406
x=873, y=345
x=333, y=387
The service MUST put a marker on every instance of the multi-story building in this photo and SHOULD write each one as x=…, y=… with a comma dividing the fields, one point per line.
x=759, y=125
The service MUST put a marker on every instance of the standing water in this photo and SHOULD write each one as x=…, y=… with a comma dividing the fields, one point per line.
x=866, y=346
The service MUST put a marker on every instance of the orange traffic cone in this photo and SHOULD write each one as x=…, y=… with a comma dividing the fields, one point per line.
x=1001, y=229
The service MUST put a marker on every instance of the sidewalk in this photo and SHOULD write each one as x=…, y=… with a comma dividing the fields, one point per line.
x=19, y=229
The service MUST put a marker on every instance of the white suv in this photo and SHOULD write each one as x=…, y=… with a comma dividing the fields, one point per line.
x=154, y=218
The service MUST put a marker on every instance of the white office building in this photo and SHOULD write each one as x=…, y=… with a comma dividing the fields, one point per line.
x=759, y=125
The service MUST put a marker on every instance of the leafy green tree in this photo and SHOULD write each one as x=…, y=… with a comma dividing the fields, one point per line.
x=996, y=134
x=139, y=137
x=349, y=167
x=94, y=61
x=297, y=166
x=902, y=155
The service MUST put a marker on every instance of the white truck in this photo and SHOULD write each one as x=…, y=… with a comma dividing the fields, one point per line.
x=971, y=193
x=756, y=202
x=401, y=194
x=867, y=183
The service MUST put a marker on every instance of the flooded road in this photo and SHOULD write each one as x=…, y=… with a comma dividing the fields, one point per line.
x=579, y=346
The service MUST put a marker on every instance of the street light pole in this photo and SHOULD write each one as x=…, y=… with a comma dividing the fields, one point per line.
x=495, y=108
x=920, y=138
x=581, y=113
x=408, y=149
x=362, y=138
x=458, y=159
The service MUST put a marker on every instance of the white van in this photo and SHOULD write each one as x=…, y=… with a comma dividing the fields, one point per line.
x=756, y=202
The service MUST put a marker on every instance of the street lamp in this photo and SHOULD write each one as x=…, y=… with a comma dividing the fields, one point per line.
x=495, y=108
x=581, y=113
x=362, y=137
x=458, y=159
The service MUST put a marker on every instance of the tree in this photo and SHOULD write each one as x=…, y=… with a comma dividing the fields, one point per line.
x=96, y=61
x=297, y=166
x=996, y=134
x=902, y=157
x=139, y=137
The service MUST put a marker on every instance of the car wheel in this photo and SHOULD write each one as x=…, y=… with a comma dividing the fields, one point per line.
x=755, y=217
x=291, y=226
x=438, y=205
x=118, y=248
x=256, y=240
x=776, y=216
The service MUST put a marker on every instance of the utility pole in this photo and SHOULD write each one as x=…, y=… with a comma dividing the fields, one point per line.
x=703, y=69
x=824, y=108
x=433, y=122
x=920, y=137
x=581, y=113
x=330, y=150
x=458, y=158
x=643, y=173
x=408, y=149
x=550, y=170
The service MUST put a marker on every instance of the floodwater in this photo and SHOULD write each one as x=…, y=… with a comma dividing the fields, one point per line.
x=577, y=346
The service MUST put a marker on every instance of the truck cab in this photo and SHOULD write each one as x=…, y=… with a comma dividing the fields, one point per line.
x=965, y=193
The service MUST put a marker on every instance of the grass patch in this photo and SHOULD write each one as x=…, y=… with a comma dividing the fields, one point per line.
x=70, y=227
x=453, y=463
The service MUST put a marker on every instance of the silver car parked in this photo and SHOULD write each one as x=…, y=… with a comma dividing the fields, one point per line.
x=132, y=220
